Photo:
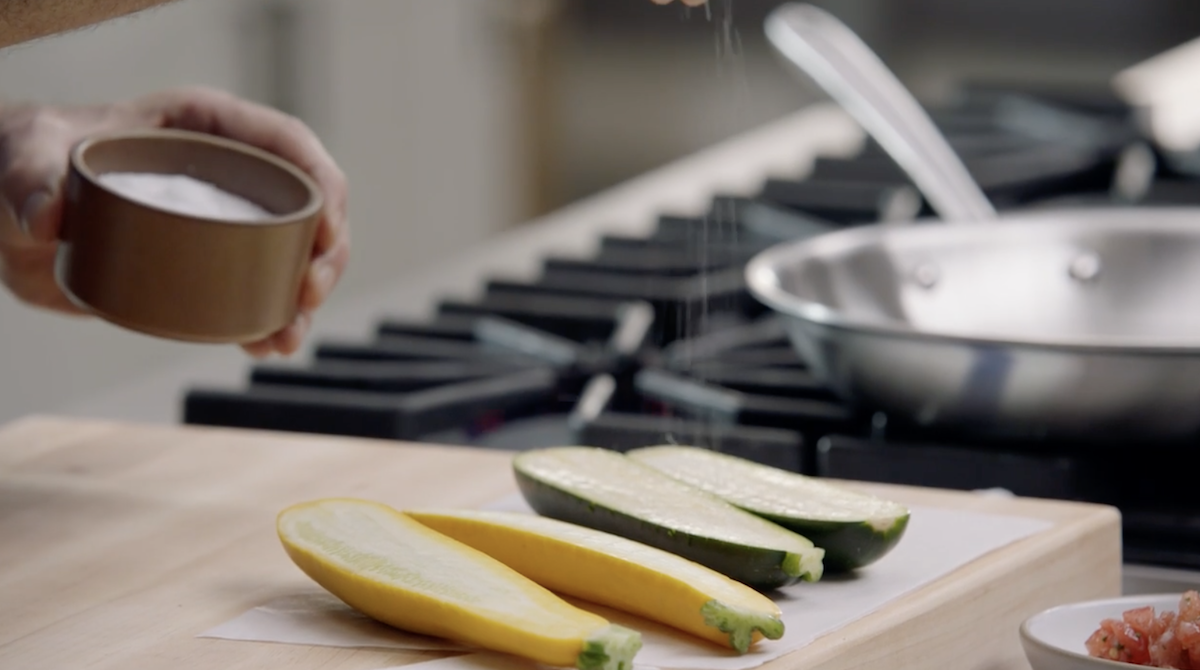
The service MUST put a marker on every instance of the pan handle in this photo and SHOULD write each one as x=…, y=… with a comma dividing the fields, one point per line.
x=819, y=45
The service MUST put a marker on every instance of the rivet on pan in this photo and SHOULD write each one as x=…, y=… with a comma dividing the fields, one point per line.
x=926, y=275
x=1085, y=267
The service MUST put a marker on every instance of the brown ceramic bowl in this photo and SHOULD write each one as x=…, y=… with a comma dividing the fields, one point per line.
x=184, y=277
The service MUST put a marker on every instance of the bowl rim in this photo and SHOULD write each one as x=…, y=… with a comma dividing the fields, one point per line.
x=1131, y=601
x=312, y=207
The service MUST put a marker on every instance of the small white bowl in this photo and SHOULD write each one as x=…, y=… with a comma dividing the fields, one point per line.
x=1054, y=639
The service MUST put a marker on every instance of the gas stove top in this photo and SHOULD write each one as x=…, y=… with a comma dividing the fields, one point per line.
x=656, y=339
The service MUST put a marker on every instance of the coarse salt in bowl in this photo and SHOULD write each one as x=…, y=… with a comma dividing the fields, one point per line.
x=186, y=235
x=185, y=195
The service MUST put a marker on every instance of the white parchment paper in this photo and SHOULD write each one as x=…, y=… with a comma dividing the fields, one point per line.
x=938, y=541
x=484, y=660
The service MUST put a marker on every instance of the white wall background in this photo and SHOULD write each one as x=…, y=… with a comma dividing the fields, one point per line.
x=411, y=97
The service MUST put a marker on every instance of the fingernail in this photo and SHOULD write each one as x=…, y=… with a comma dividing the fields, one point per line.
x=322, y=284
x=325, y=278
x=34, y=205
x=259, y=350
x=288, y=341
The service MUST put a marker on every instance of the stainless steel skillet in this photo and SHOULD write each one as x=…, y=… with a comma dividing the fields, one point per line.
x=1077, y=323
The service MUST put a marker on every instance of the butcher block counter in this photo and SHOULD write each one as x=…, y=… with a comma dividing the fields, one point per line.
x=120, y=544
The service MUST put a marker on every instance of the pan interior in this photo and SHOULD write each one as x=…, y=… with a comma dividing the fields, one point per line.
x=1127, y=277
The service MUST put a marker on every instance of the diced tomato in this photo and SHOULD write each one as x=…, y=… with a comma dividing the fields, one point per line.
x=1189, y=606
x=1100, y=643
x=1137, y=646
x=1118, y=641
x=1162, y=624
x=1141, y=618
x=1166, y=652
x=1168, y=640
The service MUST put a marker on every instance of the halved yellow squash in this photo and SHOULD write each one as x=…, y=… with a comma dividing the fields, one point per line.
x=616, y=572
x=402, y=573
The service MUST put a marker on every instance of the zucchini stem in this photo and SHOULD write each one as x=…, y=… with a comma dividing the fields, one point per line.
x=808, y=567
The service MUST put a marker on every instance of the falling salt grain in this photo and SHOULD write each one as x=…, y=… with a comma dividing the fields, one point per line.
x=183, y=195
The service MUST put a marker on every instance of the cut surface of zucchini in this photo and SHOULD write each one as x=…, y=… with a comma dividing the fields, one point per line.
x=855, y=529
x=605, y=490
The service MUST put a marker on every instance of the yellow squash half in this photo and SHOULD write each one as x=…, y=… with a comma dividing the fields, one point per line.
x=400, y=572
x=622, y=574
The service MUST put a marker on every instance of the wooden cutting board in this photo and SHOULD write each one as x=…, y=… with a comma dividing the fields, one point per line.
x=120, y=543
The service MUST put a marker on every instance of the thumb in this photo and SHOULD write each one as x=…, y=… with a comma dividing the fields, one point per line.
x=32, y=188
x=32, y=170
x=41, y=215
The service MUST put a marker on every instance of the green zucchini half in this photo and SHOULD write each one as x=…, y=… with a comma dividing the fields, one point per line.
x=604, y=490
x=854, y=529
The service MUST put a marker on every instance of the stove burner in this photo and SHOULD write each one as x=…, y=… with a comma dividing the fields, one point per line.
x=657, y=340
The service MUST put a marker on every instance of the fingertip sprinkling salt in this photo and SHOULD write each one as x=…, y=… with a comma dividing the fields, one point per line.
x=184, y=195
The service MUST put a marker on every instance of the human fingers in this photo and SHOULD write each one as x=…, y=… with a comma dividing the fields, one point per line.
x=28, y=272
x=35, y=145
x=35, y=142
x=286, y=342
x=219, y=113
x=318, y=282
